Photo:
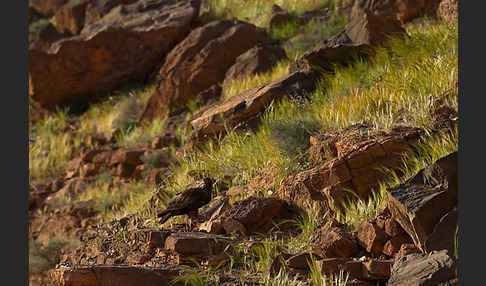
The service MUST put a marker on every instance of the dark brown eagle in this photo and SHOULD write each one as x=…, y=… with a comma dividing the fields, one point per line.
x=189, y=201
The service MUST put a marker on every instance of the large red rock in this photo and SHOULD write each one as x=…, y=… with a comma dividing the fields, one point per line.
x=371, y=237
x=200, y=61
x=75, y=14
x=259, y=59
x=347, y=160
x=253, y=215
x=126, y=44
x=372, y=22
x=332, y=240
x=419, y=203
x=111, y=275
x=46, y=8
x=250, y=103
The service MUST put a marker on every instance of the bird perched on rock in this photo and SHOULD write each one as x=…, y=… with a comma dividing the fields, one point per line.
x=189, y=201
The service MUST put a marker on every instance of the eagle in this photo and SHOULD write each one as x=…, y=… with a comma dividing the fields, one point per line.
x=189, y=201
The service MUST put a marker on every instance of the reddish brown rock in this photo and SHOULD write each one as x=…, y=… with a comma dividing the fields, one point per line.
x=43, y=40
x=46, y=8
x=371, y=237
x=194, y=244
x=394, y=244
x=419, y=203
x=250, y=103
x=278, y=16
x=339, y=49
x=444, y=234
x=300, y=261
x=406, y=249
x=253, y=215
x=75, y=14
x=393, y=228
x=347, y=160
x=107, y=52
x=332, y=266
x=198, y=62
x=129, y=156
x=376, y=269
x=332, y=240
x=259, y=59
x=110, y=275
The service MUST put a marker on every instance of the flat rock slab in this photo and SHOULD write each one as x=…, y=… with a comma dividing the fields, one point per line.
x=109, y=275
x=250, y=103
x=125, y=45
x=194, y=243
x=423, y=269
x=369, y=269
x=419, y=203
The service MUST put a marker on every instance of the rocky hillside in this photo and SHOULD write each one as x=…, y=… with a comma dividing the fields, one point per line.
x=192, y=142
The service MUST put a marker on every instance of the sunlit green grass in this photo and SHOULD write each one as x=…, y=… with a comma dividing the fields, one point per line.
x=250, y=10
x=405, y=78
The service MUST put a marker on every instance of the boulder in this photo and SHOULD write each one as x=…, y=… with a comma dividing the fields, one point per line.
x=278, y=16
x=337, y=50
x=367, y=27
x=419, y=203
x=371, y=237
x=250, y=103
x=111, y=275
x=347, y=160
x=259, y=59
x=126, y=44
x=421, y=269
x=46, y=8
x=75, y=14
x=394, y=244
x=198, y=62
x=194, y=244
x=253, y=215
x=45, y=37
x=332, y=240
x=444, y=233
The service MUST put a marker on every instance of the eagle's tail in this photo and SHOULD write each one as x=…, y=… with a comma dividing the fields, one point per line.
x=165, y=215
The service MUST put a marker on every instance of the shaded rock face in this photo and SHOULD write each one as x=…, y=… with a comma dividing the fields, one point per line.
x=339, y=49
x=251, y=103
x=372, y=22
x=200, y=61
x=126, y=44
x=420, y=203
x=253, y=215
x=46, y=37
x=369, y=269
x=259, y=59
x=423, y=269
x=347, y=160
x=75, y=14
x=194, y=244
x=46, y=8
x=332, y=240
x=111, y=275
x=401, y=10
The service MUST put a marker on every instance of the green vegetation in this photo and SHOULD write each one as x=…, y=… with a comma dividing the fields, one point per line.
x=252, y=10
x=398, y=86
